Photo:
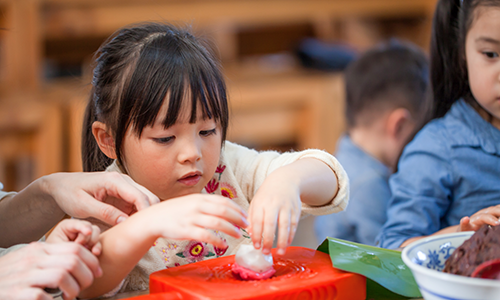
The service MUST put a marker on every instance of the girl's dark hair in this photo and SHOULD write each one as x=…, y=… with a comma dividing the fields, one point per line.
x=449, y=78
x=135, y=71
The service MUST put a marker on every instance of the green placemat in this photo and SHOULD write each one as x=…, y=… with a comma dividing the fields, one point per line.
x=387, y=275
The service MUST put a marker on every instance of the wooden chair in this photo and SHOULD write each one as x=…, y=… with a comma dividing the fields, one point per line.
x=31, y=139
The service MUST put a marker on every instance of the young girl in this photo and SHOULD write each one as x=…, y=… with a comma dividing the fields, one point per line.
x=451, y=170
x=159, y=113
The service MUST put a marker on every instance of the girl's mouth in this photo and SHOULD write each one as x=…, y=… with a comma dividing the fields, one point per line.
x=190, y=179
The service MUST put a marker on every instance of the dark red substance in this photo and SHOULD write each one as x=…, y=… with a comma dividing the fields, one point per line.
x=482, y=246
x=247, y=274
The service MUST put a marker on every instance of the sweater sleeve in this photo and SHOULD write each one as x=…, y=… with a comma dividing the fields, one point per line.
x=251, y=168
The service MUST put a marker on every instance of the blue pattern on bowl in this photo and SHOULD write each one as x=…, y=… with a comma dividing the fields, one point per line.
x=434, y=259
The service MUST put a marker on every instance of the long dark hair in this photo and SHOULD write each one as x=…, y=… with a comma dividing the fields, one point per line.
x=449, y=77
x=135, y=70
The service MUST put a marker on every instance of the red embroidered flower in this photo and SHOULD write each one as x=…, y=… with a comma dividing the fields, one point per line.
x=220, y=251
x=212, y=186
x=195, y=251
x=220, y=169
x=228, y=191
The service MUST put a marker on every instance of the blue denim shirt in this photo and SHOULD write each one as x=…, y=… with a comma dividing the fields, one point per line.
x=369, y=195
x=450, y=170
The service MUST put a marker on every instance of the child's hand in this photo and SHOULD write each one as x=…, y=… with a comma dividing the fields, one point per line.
x=276, y=204
x=189, y=217
x=489, y=216
x=78, y=231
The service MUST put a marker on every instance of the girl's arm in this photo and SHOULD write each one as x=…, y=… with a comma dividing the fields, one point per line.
x=181, y=218
x=277, y=203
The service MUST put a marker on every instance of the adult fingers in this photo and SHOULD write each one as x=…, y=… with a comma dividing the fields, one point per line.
x=50, y=273
x=87, y=259
x=123, y=187
x=69, y=271
x=25, y=294
x=103, y=211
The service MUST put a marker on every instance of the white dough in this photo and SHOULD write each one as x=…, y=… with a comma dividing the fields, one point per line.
x=253, y=259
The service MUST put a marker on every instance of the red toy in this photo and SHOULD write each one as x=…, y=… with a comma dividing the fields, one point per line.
x=301, y=273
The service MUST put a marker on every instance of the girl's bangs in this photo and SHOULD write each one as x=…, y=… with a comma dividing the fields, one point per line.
x=175, y=75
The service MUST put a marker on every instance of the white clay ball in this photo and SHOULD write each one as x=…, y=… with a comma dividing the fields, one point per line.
x=253, y=259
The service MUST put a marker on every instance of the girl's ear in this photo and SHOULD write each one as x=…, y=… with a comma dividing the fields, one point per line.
x=104, y=139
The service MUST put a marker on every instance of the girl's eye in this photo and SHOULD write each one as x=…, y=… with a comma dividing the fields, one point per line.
x=489, y=54
x=163, y=140
x=207, y=132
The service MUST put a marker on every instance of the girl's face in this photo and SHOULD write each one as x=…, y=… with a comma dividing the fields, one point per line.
x=482, y=49
x=176, y=161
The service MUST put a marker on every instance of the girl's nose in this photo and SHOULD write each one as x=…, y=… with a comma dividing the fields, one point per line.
x=190, y=152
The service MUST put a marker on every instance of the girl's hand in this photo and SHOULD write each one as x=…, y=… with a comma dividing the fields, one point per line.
x=489, y=216
x=78, y=231
x=276, y=204
x=189, y=217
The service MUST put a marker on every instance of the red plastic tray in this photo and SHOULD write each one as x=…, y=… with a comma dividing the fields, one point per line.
x=301, y=273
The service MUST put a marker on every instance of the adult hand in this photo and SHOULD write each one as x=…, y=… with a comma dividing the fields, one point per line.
x=108, y=196
x=24, y=273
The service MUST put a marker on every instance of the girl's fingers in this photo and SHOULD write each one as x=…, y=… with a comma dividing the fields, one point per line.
x=270, y=222
x=294, y=223
x=284, y=232
x=94, y=238
x=82, y=239
x=203, y=235
x=94, y=245
x=223, y=201
x=256, y=218
x=227, y=212
x=97, y=249
x=215, y=223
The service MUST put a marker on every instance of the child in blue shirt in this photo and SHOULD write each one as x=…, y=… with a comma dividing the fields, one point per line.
x=449, y=176
x=385, y=99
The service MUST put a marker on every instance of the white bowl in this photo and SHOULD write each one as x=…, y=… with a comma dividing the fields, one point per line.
x=426, y=258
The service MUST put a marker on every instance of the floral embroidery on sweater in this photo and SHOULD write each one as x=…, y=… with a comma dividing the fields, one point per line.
x=224, y=188
x=227, y=190
x=212, y=186
x=195, y=251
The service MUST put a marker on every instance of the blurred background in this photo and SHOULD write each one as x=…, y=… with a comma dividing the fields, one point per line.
x=283, y=60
